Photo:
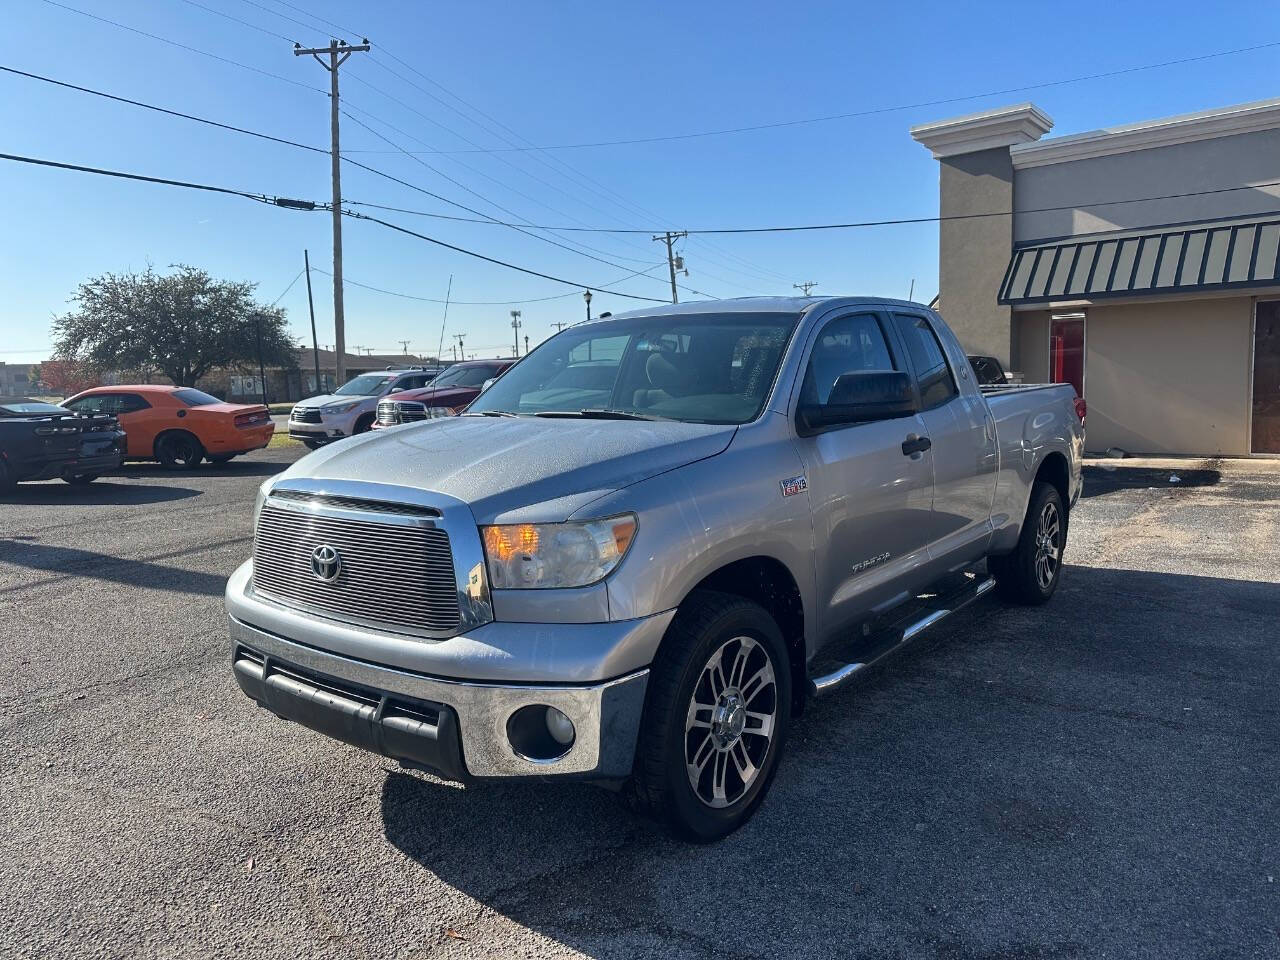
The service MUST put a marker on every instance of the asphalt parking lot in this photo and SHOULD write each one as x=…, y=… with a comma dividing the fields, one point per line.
x=1093, y=778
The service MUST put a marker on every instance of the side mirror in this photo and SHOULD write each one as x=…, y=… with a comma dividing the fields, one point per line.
x=488, y=383
x=396, y=390
x=861, y=397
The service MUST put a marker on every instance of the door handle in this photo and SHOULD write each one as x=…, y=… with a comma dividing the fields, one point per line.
x=913, y=445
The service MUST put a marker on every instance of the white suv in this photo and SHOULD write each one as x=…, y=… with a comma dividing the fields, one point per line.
x=352, y=407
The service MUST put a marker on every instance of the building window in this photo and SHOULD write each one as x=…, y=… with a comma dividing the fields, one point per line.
x=1066, y=350
x=246, y=386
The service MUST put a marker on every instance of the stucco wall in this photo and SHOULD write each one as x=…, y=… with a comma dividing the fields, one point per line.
x=973, y=254
x=1178, y=168
x=1169, y=377
x=1031, y=331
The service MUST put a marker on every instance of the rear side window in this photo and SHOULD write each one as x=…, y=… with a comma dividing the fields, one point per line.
x=852, y=344
x=195, y=398
x=112, y=403
x=937, y=385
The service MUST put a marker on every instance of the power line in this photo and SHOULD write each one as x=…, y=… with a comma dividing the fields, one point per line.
x=184, y=46
x=489, y=303
x=289, y=287
x=876, y=111
x=235, y=19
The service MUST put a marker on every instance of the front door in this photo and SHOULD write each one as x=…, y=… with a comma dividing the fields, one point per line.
x=871, y=501
x=1266, y=377
x=1066, y=351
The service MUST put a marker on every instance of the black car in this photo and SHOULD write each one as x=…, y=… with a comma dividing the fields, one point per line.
x=40, y=441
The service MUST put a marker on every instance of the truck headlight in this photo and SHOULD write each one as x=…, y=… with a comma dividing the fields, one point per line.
x=527, y=556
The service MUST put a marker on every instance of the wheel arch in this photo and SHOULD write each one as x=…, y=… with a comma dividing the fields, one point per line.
x=767, y=581
x=1054, y=470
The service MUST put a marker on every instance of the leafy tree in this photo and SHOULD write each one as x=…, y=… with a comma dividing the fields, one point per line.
x=66, y=377
x=183, y=324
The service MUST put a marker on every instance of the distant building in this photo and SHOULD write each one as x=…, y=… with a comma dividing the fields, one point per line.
x=1165, y=312
x=15, y=379
x=244, y=385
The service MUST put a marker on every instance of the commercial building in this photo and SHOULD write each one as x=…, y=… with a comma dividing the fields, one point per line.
x=1140, y=263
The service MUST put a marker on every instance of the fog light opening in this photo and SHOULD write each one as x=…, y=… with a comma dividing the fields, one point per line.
x=540, y=733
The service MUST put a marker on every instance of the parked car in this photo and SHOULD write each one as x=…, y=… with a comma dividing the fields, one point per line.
x=179, y=426
x=40, y=441
x=352, y=408
x=638, y=554
x=445, y=396
x=988, y=370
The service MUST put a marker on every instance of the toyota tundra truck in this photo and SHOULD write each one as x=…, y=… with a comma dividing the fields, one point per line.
x=640, y=552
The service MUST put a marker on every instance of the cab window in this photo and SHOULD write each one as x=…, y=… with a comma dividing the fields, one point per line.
x=937, y=385
x=852, y=344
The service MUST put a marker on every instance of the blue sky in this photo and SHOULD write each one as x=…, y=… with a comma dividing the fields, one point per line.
x=553, y=73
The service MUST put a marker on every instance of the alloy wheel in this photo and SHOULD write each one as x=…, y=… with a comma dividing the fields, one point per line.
x=1048, y=545
x=731, y=720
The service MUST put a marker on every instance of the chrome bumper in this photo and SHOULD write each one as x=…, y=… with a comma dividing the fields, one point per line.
x=606, y=716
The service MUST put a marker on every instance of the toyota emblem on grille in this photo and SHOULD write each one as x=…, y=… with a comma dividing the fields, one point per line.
x=326, y=563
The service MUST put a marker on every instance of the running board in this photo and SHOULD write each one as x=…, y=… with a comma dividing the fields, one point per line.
x=835, y=679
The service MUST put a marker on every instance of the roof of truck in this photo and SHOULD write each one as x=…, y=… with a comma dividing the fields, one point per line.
x=756, y=305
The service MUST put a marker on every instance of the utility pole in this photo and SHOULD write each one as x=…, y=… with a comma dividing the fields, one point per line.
x=262, y=370
x=515, y=327
x=911, y=295
x=311, y=305
x=806, y=286
x=459, y=355
x=337, y=52
x=559, y=326
x=674, y=262
x=405, y=345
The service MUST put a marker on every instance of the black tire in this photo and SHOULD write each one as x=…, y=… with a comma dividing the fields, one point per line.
x=80, y=479
x=178, y=450
x=364, y=424
x=220, y=458
x=707, y=627
x=312, y=444
x=1030, y=574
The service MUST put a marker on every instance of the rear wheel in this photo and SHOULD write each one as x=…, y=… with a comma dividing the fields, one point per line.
x=715, y=719
x=80, y=479
x=178, y=450
x=1031, y=572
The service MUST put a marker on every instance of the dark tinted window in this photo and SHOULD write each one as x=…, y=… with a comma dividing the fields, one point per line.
x=194, y=398
x=852, y=344
x=937, y=386
x=113, y=403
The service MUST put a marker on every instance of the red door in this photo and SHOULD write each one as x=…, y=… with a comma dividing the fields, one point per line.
x=1066, y=352
x=1266, y=377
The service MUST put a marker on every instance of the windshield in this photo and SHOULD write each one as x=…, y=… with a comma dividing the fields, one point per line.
x=468, y=376
x=195, y=398
x=367, y=385
x=713, y=368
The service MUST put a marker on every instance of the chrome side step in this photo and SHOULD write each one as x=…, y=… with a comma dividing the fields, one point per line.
x=834, y=679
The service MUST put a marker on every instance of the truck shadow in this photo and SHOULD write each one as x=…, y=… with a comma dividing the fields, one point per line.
x=103, y=492
x=68, y=563
x=1101, y=480
x=949, y=798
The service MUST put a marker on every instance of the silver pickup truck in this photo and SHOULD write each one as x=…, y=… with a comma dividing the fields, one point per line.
x=639, y=552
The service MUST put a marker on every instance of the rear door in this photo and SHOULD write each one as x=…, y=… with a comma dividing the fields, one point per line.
x=871, y=501
x=962, y=440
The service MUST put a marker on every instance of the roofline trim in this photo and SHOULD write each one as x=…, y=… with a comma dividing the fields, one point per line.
x=1166, y=131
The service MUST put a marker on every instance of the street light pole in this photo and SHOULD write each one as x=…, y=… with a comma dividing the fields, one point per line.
x=586, y=295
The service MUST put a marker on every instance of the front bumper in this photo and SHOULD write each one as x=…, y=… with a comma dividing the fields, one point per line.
x=456, y=728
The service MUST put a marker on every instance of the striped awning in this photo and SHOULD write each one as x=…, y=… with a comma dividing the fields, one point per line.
x=1187, y=258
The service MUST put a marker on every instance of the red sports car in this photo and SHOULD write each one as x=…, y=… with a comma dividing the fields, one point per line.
x=445, y=396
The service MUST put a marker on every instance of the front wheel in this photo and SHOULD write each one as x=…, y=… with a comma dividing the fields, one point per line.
x=715, y=719
x=1031, y=572
x=80, y=479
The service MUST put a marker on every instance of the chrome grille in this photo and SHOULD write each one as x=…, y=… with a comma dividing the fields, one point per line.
x=306, y=414
x=410, y=411
x=387, y=413
x=395, y=575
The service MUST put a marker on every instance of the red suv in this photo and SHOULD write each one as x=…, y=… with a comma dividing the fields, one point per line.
x=445, y=396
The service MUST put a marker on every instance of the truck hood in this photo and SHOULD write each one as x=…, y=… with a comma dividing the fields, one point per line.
x=510, y=470
x=442, y=396
x=328, y=398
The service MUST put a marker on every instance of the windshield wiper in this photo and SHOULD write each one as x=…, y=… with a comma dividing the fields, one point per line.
x=596, y=414
x=492, y=413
